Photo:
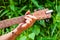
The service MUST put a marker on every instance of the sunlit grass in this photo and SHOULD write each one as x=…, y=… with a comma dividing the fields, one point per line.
x=41, y=30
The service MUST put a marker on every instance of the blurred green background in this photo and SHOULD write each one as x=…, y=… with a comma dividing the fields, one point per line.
x=42, y=29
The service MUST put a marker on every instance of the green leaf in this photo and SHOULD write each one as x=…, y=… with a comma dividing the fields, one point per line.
x=1, y=11
x=12, y=7
x=58, y=8
x=3, y=7
x=2, y=31
x=36, y=4
x=42, y=22
x=6, y=11
x=58, y=17
x=7, y=30
x=32, y=36
x=11, y=2
x=23, y=8
x=36, y=30
x=57, y=20
x=23, y=38
x=53, y=29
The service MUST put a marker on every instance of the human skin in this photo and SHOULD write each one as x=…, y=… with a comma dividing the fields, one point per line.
x=21, y=27
x=30, y=20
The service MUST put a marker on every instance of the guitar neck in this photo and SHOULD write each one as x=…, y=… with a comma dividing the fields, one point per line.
x=17, y=20
x=12, y=21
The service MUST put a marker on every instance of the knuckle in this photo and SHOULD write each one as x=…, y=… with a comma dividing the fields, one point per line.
x=34, y=17
x=28, y=21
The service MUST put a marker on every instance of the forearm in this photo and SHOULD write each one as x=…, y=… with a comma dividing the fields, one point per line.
x=8, y=36
x=12, y=21
x=28, y=22
x=13, y=34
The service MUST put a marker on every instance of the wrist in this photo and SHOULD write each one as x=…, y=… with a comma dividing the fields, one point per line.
x=17, y=30
x=14, y=32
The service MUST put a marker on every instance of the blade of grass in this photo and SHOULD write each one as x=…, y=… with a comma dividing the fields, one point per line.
x=36, y=4
x=23, y=8
x=4, y=13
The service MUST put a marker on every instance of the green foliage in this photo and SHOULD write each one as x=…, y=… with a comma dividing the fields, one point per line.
x=23, y=38
x=41, y=30
x=32, y=35
x=36, y=30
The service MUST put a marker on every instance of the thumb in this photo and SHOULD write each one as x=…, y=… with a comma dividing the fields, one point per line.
x=28, y=12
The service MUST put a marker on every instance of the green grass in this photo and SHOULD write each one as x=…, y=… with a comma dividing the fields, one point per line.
x=41, y=30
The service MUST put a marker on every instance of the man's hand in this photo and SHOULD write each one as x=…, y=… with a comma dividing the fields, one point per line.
x=30, y=20
x=21, y=27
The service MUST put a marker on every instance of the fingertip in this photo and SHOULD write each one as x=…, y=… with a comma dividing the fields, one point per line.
x=28, y=12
